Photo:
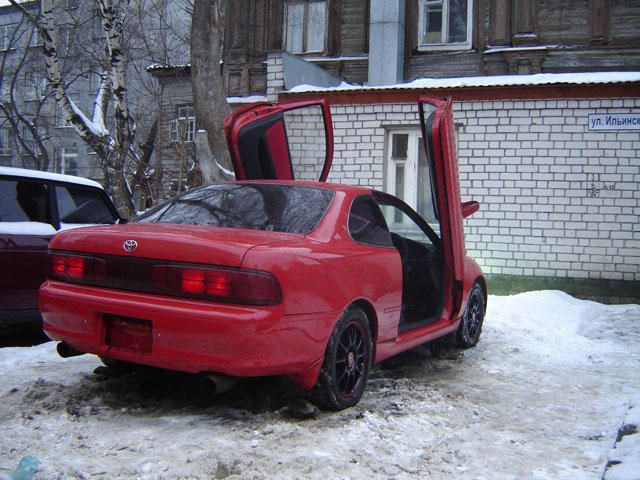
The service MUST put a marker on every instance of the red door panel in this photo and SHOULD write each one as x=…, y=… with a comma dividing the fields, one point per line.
x=289, y=141
x=439, y=139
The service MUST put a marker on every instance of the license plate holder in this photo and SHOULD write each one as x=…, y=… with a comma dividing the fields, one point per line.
x=131, y=334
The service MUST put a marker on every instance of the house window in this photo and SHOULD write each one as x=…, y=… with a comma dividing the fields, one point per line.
x=35, y=85
x=67, y=160
x=7, y=36
x=29, y=139
x=60, y=120
x=4, y=141
x=409, y=173
x=445, y=24
x=183, y=127
x=306, y=26
x=64, y=41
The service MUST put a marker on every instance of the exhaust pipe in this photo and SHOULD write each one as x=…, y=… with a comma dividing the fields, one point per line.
x=65, y=351
x=215, y=383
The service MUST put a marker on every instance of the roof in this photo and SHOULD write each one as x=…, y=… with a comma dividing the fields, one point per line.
x=589, y=78
x=57, y=177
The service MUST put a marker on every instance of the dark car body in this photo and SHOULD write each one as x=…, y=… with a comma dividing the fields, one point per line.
x=34, y=206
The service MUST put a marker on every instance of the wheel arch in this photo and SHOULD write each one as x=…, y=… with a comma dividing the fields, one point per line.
x=372, y=319
x=480, y=280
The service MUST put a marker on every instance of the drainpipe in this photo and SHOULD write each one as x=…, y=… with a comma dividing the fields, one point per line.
x=386, y=42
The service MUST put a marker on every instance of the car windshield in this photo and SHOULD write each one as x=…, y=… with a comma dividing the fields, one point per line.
x=272, y=207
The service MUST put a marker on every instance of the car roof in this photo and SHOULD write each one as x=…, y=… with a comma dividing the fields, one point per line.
x=336, y=187
x=56, y=177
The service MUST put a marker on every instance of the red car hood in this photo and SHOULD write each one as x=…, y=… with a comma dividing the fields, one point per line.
x=183, y=243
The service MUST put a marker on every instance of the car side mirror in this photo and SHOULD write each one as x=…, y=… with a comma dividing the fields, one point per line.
x=469, y=208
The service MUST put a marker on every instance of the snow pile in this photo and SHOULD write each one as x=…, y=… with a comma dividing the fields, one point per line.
x=542, y=396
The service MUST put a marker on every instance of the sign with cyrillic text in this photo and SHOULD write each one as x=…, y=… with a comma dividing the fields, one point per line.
x=614, y=121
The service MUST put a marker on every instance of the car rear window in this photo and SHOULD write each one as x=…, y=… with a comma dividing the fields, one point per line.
x=272, y=207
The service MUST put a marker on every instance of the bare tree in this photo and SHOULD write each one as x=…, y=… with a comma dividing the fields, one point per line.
x=26, y=121
x=207, y=35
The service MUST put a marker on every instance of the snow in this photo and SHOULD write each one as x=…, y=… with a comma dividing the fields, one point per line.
x=249, y=99
x=27, y=228
x=542, y=396
x=518, y=49
x=490, y=81
x=97, y=128
x=57, y=177
x=627, y=449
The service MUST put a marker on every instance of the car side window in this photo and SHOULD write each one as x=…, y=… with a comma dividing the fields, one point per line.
x=367, y=224
x=24, y=201
x=404, y=222
x=82, y=206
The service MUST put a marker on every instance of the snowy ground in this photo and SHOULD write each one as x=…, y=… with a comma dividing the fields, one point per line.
x=542, y=396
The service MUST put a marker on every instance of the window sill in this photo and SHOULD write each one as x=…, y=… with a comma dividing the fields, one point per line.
x=459, y=47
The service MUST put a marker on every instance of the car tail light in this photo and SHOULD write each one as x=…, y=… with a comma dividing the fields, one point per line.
x=227, y=284
x=75, y=267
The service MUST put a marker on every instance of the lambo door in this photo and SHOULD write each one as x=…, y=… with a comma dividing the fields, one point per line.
x=288, y=141
x=438, y=139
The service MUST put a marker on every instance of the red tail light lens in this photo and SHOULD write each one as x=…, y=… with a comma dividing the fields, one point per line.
x=235, y=285
x=228, y=284
x=75, y=267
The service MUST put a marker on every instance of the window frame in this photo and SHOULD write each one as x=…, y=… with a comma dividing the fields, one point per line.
x=426, y=47
x=181, y=121
x=62, y=155
x=411, y=194
x=285, y=24
x=5, y=143
x=6, y=36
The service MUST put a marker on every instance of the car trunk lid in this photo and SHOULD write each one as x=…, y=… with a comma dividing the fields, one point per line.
x=171, y=242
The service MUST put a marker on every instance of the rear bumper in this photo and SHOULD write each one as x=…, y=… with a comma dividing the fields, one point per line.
x=191, y=335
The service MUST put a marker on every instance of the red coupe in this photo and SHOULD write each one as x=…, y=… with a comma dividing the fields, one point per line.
x=269, y=275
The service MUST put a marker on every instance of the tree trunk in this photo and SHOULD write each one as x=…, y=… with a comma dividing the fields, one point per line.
x=209, y=96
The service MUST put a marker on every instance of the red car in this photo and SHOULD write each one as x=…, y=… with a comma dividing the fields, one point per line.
x=274, y=276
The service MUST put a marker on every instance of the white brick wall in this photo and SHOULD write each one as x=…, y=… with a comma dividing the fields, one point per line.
x=557, y=199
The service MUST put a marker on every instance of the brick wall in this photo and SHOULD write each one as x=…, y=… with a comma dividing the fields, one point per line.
x=558, y=200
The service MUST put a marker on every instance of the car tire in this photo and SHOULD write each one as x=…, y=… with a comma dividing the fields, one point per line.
x=470, y=327
x=347, y=361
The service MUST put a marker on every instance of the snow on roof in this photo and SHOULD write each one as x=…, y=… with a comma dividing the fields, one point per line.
x=590, y=78
x=23, y=172
x=249, y=99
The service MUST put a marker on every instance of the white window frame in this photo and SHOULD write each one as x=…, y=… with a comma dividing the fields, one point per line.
x=184, y=121
x=410, y=193
x=443, y=45
x=287, y=33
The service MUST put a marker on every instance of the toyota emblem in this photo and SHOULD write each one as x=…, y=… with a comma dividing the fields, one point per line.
x=130, y=246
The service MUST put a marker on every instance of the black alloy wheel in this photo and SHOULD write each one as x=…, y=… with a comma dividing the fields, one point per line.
x=346, y=363
x=470, y=327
